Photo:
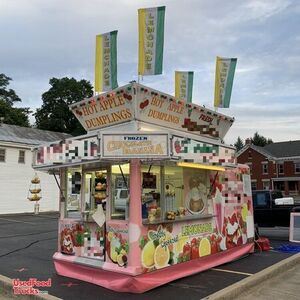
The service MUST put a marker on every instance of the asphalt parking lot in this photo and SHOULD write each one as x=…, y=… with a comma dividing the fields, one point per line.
x=29, y=241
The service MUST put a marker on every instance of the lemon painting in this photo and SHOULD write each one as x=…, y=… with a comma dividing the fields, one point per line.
x=157, y=248
x=244, y=212
x=148, y=255
x=204, y=247
x=161, y=257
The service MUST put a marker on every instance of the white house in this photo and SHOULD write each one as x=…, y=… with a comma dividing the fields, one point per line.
x=16, y=169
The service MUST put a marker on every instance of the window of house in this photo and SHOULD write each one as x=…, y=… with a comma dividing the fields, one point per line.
x=250, y=167
x=279, y=185
x=2, y=155
x=293, y=187
x=280, y=168
x=297, y=167
x=266, y=184
x=265, y=168
x=249, y=154
x=21, y=159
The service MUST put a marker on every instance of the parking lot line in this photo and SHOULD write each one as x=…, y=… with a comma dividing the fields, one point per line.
x=17, y=221
x=229, y=271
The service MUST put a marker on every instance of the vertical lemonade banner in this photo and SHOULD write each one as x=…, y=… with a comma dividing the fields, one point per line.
x=151, y=40
x=106, y=62
x=225, y=68
x=184, y=85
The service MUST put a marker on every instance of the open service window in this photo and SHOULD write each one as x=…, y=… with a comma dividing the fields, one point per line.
x=95, y=189
x=73, y=193
x=120, y=191
x=170, y=191
x=186, y=190
x=151, y=190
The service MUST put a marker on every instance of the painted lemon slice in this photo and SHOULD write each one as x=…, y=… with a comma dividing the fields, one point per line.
x=161, y=256
x=148, y=255
x=204, y=247
x=113, y=255
x=244, y=212
x=110, y=236
x=120, y=260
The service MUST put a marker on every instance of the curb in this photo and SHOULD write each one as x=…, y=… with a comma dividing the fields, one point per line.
x=7, y=290
x=236, y=289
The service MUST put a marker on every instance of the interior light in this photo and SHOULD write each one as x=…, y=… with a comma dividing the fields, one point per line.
x=200, y=166
x=146, y=129
x=115, y=169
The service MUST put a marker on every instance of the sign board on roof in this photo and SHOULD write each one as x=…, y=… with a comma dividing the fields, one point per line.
x=161, y=109
x=134, y=145
x=137, y=102
x=105, y=110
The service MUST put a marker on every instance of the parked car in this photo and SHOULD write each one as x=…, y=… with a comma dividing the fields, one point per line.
x=121, y=199
x=271, y=208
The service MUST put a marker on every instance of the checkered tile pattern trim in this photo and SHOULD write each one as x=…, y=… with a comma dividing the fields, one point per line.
x=67, y=152
x=199, y=152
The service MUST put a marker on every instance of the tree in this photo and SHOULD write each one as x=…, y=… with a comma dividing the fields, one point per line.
x=8, y=97
x=239, y=144
x=259, y=140
x=54, y=113
x=14, y=116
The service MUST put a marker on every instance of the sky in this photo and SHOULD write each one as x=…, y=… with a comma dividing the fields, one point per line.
x=54, y=38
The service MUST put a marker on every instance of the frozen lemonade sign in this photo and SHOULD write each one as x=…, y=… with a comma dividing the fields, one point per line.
x=135, y=145
x=105, y=110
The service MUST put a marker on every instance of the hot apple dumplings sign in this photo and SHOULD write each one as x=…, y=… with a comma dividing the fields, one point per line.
x=135, y=102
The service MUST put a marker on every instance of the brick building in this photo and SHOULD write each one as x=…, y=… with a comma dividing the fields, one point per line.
x=275, y=166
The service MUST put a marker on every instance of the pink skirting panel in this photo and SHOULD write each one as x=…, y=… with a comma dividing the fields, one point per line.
x=147, y=281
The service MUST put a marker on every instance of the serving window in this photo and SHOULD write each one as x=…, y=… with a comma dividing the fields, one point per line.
x=152, y=193
x=95, y=189
x=172, y=191
x=120, y=191
x=73, y=190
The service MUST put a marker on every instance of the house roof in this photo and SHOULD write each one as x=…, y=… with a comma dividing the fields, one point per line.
x=284, y=149
x=276, y=150
x=29, y=136
x=259, y=149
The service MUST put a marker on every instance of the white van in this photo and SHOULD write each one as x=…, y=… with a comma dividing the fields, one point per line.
x=121, y=199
